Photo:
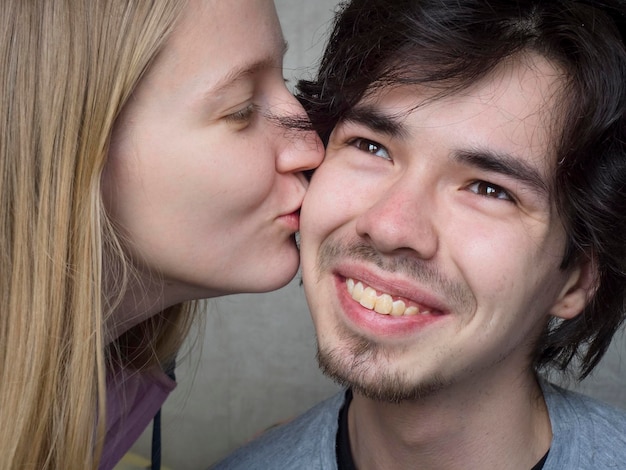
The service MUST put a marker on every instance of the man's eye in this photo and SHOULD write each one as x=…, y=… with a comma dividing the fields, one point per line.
x=371, y=147
x=483, y=188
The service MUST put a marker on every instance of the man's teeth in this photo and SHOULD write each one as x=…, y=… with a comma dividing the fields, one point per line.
x=383, y=304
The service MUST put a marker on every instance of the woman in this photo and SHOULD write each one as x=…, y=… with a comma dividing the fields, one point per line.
x=150, y=155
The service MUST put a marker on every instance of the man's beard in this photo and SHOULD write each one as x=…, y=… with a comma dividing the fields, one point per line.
x=359, y=363
x=369, y=367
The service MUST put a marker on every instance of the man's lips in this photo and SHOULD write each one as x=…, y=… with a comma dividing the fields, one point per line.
x=386, y=313
x=367, y=286
x=385, y=303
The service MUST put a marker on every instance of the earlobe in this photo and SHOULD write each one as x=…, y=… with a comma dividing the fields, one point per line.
x=577, y=291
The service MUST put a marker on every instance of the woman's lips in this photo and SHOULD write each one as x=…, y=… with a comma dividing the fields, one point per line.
x=291, y=220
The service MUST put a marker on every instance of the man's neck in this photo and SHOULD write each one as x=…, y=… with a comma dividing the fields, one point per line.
x=454, y=429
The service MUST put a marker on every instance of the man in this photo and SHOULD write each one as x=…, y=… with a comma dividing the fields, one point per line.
x=464, y=234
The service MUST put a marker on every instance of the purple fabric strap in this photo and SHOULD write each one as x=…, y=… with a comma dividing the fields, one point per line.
x=133, y=399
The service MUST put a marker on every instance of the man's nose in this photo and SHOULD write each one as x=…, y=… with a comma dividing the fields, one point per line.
x=402, y=218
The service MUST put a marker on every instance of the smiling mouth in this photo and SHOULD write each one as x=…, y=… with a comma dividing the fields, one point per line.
x=383, y=303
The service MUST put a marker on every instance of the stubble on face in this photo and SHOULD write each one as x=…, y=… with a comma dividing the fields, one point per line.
x=353, y=366
x=365, y=365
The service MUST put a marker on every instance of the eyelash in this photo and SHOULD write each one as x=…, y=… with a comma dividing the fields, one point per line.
x=489, y=189
x=372, y=147
x=243, y=115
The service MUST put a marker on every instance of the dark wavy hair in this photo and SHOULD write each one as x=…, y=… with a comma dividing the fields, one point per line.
x=449, y=44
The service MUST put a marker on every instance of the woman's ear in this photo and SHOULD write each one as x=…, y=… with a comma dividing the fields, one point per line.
x=577, y=291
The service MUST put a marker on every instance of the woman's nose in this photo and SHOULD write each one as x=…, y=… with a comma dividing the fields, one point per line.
x=301, y=148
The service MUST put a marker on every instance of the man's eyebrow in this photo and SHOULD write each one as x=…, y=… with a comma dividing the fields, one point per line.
x=485, y=159
x=245, y=70
x=505, y=164
x=376, y=120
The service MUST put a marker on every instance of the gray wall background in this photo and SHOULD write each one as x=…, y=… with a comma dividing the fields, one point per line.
x=255, y=365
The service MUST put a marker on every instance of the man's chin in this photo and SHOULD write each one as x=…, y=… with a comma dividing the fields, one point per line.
x=358, y=368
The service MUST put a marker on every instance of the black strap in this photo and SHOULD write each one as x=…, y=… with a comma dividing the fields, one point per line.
x=542, y=462
x=156, y=442
x=345, y=460
x=156, y=426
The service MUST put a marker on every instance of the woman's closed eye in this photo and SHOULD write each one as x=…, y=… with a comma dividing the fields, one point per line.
x=243, y=116
x=371, y=147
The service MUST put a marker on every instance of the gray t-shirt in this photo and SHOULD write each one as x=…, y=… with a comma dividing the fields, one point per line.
x=587, y=435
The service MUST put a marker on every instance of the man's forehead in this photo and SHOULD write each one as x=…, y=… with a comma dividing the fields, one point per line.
x=521, y=86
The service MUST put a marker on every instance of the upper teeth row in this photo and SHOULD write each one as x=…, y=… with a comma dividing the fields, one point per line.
x=383, y=304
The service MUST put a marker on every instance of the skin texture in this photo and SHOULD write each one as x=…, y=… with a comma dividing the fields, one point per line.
x=202, y=181
x=414, y=211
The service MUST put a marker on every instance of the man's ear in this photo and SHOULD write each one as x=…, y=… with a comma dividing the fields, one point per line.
x=577, y=291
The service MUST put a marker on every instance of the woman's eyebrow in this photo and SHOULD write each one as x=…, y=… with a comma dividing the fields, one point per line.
x=245, y=70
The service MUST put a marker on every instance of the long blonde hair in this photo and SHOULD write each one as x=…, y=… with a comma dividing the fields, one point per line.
x=68, y=68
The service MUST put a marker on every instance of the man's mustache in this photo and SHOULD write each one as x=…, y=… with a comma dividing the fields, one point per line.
x=457, y=294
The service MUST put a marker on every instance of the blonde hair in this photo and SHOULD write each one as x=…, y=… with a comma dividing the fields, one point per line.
x=68, y=68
